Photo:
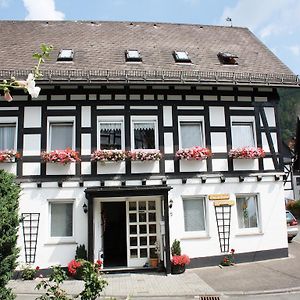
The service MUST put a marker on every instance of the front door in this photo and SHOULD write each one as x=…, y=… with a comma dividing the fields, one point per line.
x=114, y=234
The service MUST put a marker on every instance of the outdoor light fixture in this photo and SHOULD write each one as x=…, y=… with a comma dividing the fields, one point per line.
x=85, y=208
x=203, y=179
x=222, y=179
x=241, y=178
x=259, y=178
x=183, y=180
x=170, y=203
x=277, y=177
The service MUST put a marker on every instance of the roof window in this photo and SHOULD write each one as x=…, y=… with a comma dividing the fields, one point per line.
x=181, y=56
x=65, y=55
x=228, y=58
x=133, y=55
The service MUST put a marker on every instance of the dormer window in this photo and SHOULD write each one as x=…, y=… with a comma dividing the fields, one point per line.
x=181, y=56
x=65, y=55
x=133, y=55
x=228, y=58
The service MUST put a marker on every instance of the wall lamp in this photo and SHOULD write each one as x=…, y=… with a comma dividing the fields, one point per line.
x=222, y=179
x=85, y=208
x=276, y=177
x=170, y=203
x=203, y=179
x=241, y=178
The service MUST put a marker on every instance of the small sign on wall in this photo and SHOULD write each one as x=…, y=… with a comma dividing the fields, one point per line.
x=221, y=199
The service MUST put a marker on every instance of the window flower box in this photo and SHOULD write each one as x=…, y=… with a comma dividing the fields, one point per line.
x=9, y=156
x=195, y=153
x=247, y=153
x=62, y=157
x=145, y=155
x=108, y=155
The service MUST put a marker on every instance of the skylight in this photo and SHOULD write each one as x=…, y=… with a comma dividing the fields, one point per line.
x=133, y=55
x=228, y=58
x=181, y=56
x=65, y=55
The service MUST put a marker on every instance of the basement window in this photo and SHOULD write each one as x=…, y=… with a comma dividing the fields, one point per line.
x=227, y=58
x=181, y=56
x=65, y=55
x=133, y=55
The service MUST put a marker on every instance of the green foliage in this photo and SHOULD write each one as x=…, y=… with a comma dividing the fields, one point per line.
x=53, y=285
x=176, y=249
x=40, y=57
x=294, y=207
x=289, y=108
x=9, y=222
x=93, y=282
x=81, y=252
x=28, y=273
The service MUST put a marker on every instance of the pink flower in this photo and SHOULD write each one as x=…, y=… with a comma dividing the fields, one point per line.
x=181, y=260
x=196, y=153
x=7, y=96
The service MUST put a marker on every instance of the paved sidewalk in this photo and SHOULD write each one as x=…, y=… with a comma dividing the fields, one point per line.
x=278, y=275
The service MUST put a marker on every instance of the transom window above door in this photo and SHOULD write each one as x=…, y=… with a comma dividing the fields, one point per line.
x=191, y=134
x=242, y=134
x=145, y=135
x=7, y=136
x=61, y=135
x=110, y=135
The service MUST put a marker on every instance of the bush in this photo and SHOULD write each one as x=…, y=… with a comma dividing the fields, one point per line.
x=294, y=207
x=176, y=249
x=28, y=273
x=81, y=252
x=9, y=222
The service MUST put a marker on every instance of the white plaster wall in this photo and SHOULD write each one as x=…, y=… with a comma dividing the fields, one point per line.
x=59, y=169
x=85, y=116
x=245, y=164
x=85, y=144
x=216, y=116
x=111, y=167
x=144, y=167
x=192, y=165
x=9, y=167
x=218, y=142
x=272, y=234
x=168, y=140
x=34, y=200
x=32, y=117
x=32, y=144
x=265, y=144
x=167, y=115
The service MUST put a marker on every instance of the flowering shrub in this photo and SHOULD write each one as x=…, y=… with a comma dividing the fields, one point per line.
x=228, y=260
x=108, y=155
x=144, y=155
x=27, y=85
x=181, y=260
x=61, y=156
x=9, y=156
x=247, y=153
x=73, y=266
x=197, y=153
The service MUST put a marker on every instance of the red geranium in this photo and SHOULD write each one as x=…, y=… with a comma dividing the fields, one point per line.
x=73, y=265
x=181, y=260
x=99, y=263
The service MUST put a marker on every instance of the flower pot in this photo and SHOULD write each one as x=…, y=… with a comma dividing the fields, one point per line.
x=177, y=269
x=153, y=262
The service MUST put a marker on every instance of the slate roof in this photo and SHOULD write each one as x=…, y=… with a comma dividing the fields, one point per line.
x=101, y=45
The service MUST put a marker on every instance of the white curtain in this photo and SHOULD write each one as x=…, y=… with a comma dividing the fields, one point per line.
x=7, y=137
x=105, y=126
x=144, y=126
x=61, y=136
x=247, y=211
x=242, y=135
x=61, y=219
x=191, y=134
x=194, y=217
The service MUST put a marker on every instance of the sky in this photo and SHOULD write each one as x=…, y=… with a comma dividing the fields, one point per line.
x=275, y=22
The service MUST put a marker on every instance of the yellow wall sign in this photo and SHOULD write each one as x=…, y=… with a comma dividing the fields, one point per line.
x=223, y=202
x=219, y=197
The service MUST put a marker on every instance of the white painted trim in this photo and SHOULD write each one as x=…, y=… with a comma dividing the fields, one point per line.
x=110, y=107
x=190, y=107
x=61, y=107
x=241, y=108
x=143, y=107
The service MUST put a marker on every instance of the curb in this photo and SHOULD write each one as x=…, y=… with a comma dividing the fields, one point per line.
x=275, y=291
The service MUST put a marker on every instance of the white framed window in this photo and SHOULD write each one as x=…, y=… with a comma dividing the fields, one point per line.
x=8, y=133
x=243, y=132
x=61, y=219
x=144, y=132
x=191, y=131
x=110, y=131
x=61, y=133
x=194, y=212
x=248, y=212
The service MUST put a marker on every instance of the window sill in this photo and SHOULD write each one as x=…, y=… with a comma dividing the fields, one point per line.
x=61, y=241
x=241, y=234
x=195, y=237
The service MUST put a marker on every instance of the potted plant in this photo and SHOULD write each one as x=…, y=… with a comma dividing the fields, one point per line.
x=228, y=260
x=155, y=255
x=178, y=261
x=8, y=156
x=108, y=155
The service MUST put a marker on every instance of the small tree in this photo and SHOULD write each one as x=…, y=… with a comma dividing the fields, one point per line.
x=9, y=222
x=176, y=249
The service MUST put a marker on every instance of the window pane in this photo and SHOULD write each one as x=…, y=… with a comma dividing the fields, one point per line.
x=61, y=136
x=144, y=135
x=247, y=211
x=242, y=135
x=110, y=135
x=61, y=219
x=194, y=217
x=7, y=136
x=191, y=134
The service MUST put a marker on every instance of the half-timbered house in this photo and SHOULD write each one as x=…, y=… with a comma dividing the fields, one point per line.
x=171, y=101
